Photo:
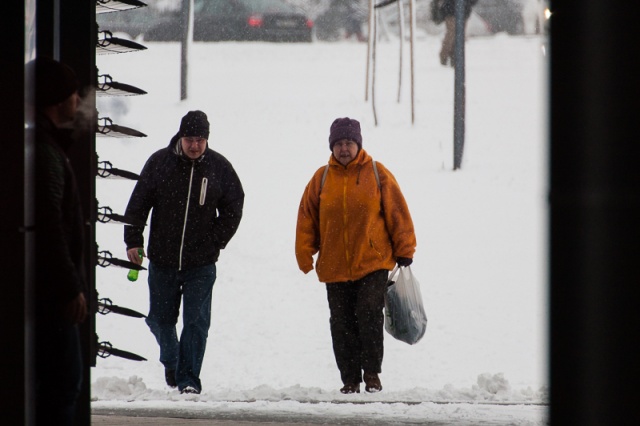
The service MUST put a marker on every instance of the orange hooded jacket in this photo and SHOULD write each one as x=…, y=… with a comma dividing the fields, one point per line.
x=355, y=227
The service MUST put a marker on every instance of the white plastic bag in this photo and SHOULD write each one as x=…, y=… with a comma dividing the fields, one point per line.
x=404, y=316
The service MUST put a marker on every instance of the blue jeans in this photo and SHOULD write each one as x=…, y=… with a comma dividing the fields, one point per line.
x=166, y=287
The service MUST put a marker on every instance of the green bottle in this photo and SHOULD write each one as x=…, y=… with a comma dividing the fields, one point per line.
x=133, y=273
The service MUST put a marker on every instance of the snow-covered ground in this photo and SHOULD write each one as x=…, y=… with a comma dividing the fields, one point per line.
x=481, y=230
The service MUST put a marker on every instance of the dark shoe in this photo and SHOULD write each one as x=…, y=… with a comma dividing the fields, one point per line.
x=190, y=389
x=351, y=388
x=372, y=382
x=170, y=377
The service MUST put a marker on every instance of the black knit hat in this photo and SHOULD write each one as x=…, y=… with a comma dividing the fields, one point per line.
x=345, y=128
x=55, y=81
x=195, y=123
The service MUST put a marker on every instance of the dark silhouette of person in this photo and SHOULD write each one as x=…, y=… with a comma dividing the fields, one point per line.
x=60, y=277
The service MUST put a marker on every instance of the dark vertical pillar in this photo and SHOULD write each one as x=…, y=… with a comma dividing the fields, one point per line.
x=67, y=32
x=595, y=213
x=459, y=106
x=14, y=392
x=78, y=49
x=37, y=27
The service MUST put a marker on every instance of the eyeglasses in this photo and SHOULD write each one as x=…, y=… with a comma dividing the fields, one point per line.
x=194, y=140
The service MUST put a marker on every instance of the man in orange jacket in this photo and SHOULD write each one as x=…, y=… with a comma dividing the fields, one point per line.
x=353, y=214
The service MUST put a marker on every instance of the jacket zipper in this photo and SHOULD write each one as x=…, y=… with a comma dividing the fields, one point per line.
x=186, y=213
x=345, y=222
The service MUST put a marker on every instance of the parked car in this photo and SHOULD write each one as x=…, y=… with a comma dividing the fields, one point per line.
x=236, y=20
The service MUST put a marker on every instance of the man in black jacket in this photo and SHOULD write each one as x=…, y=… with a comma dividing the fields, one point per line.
x=60, y=276
x=197, y=202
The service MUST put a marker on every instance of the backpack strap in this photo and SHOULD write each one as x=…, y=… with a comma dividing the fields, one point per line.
x=375, y=172
x=324, y=177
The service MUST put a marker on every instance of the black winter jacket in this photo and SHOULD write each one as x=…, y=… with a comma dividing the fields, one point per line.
x=60, y=246
x=197, y=207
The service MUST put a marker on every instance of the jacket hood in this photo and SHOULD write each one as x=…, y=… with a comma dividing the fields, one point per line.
x=174, y=141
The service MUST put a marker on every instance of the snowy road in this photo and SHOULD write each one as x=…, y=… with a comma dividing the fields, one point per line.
x=346, y=414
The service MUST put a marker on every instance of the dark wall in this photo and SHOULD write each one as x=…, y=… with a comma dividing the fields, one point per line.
x=595, y=213
x=12, y=233
x=76, y=46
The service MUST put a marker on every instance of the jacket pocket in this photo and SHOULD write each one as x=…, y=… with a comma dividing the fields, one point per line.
x=374, y=248
x=203, y=190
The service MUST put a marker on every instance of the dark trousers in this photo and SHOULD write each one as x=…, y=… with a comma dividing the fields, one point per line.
x=357, y=324
x=58, y=372
x=167, y=286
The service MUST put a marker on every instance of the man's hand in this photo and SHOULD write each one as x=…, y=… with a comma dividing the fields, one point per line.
x=76, y=310
x=404, y=261
x=133, y=256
